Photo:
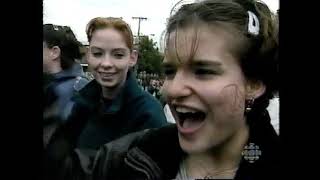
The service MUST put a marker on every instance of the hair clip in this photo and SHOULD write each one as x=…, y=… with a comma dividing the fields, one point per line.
x=253, y=24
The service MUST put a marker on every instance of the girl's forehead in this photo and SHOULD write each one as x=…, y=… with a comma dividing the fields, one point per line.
x=202, y=41
x=108, y=39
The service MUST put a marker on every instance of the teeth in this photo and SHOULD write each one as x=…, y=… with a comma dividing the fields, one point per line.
x=184, y=110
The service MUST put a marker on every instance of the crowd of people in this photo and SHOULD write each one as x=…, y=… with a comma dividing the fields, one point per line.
x=220, y=73
x=151, y=83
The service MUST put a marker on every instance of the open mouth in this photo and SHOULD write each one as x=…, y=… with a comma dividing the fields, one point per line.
x=189, y=120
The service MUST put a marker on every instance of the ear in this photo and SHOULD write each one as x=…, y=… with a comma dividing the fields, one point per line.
x=254, y=89
x=133, y=58
x=55, y=52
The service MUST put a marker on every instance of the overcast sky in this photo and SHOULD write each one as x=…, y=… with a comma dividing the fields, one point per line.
x=77, y=13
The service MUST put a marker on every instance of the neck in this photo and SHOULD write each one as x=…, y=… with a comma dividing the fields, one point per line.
x=54, y=68
x=221, y=161
x=111, y=93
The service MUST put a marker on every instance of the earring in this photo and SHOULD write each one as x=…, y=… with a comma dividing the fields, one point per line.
x=248, y=105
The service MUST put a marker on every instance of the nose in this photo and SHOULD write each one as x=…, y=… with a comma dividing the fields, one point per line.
x=177, y=88
x=106, y=62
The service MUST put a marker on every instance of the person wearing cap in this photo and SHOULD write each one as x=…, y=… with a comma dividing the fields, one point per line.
x=62, y=75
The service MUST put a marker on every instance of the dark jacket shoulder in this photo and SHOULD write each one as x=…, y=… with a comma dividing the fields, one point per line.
x=157, y=151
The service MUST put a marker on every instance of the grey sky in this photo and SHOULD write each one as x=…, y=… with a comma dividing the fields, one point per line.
x=77, y=13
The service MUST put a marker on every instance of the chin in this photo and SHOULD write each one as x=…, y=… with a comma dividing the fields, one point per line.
x=108, y=84
x=199, y=145
x=189, y=149
x=192, y=147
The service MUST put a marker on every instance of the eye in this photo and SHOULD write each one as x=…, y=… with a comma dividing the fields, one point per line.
x=119, y=55
x=205, y=73
x=97, y=54
x=169, y=72
x=201, y=71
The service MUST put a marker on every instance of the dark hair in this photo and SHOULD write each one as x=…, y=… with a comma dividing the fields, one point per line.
x=257, y=54
x=64, y=38
x=112, y=22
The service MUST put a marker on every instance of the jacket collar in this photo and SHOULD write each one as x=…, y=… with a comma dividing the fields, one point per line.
x=74, y=71
x=265, y=143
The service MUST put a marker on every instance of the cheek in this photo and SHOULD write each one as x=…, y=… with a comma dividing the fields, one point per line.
x=45, y=55
x=92, y=63
x=164, y=90
x=226, y=99
x=122, y=65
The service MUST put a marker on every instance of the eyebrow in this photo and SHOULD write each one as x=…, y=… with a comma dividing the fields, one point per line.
x=115, y=49
x=119, y=49
x=205, y=62
x=95, y=47
x=195, y=62
x=168, y=65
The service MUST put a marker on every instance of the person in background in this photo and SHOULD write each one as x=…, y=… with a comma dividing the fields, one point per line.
x=63, y=76
x=60, y=51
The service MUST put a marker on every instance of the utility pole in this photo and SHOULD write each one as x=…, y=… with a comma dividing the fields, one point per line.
x=139, y=18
